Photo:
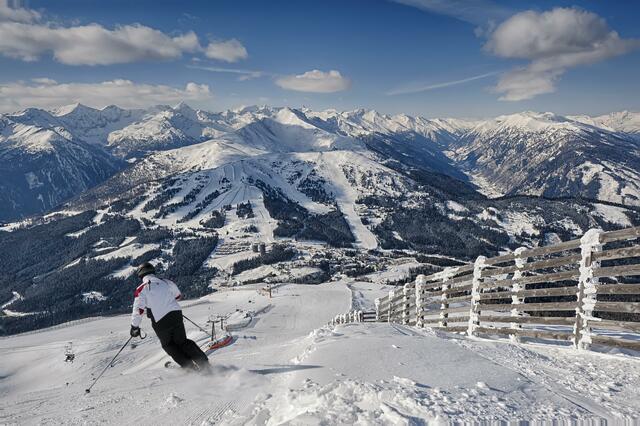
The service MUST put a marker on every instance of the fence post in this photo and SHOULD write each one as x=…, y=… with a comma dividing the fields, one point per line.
x=474, y=311
x=443, y=299
x=406, y=291
x=392, y=294
x=587, y=291
x=515, y=288
x=445, y=275
x=420, y=284
x=377, y=303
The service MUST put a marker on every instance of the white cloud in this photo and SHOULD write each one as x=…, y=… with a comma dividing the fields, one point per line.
x=524, y=83
x=16, y=13
x=553, y=42
x=416, y=88
x=47, y=93
x=226, y=50
x=315, y=81
x=92, y=44
x=25, y=35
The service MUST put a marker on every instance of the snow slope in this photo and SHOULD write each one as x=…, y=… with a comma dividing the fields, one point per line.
x=287, y=367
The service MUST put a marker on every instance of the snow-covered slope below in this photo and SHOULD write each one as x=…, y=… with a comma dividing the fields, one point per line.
x=287, y=367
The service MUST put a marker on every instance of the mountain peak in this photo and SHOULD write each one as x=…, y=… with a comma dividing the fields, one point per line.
x=183, y=106
x=76, y=108
x=112, y=108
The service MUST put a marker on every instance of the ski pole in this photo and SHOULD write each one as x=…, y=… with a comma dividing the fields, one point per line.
x=108, y=365
x=201, y=329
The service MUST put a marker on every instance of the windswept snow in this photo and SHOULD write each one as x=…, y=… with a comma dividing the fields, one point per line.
x=413, y=374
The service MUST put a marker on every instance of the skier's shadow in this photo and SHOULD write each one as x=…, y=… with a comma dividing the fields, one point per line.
x=283, y=369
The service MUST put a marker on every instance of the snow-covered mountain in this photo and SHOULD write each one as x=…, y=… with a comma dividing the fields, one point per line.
x=63, y=152
x=259, y=194
x=553, y=156
x=194, y=191
x=624, y=122
x=526, y=153
x=42, y=164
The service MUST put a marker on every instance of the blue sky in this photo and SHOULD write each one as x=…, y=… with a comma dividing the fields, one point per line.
x=424, y=57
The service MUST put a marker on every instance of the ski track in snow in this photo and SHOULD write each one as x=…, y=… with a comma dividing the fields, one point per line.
x=346, y=197
x=287, y=366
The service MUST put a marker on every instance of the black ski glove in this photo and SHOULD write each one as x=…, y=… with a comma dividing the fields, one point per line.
x=135, y=331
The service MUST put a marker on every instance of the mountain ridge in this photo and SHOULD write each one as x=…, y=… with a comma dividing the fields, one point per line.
x=490, y=153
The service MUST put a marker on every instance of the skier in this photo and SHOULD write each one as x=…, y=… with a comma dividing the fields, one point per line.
x=159, y=297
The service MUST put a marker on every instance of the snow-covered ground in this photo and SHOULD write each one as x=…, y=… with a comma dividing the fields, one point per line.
x=286, y=366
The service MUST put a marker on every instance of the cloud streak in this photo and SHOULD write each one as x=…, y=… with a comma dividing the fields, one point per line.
x=477, y=12
x=242, y=73
x=424, y=88
x=46, y=93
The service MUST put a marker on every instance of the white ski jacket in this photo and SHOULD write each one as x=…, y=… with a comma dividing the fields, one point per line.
x=159, y=295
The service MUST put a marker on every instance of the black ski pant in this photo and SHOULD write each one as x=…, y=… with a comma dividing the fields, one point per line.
x=173, y=337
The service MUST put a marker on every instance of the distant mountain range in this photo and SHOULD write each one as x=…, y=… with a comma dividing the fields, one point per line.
x=328, y=192
x=49, y=157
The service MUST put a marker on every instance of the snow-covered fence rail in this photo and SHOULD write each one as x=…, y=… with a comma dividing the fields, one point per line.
x=584, y=291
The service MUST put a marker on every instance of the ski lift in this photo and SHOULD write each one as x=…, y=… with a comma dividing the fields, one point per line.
x=69, y=355
x=215, y=342
x=212, y=321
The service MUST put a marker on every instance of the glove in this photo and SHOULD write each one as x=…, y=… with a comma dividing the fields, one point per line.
x=135, y=331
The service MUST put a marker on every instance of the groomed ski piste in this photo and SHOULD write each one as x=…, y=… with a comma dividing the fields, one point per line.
x=287, y=366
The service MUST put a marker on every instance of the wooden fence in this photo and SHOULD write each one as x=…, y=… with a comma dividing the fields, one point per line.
x=583, y=291
x=354, y=316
